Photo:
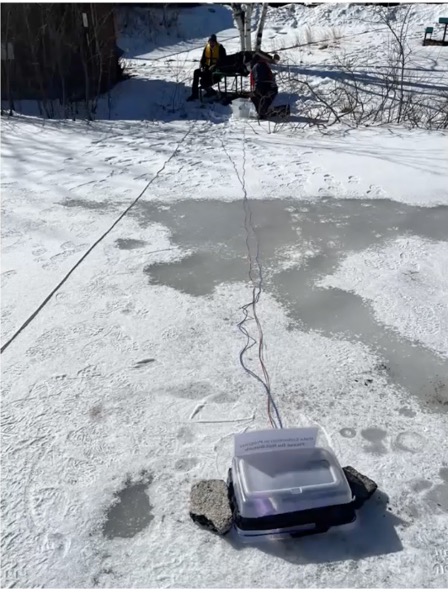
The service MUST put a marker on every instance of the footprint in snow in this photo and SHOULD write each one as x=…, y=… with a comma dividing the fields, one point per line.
x=187, y=464
x=425, y=495
x=8, y=274
x=39, y=251
x=185, y=435
x=377, y=191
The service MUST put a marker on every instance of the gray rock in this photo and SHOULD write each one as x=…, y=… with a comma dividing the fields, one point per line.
x=361, y=486
x=209, y=506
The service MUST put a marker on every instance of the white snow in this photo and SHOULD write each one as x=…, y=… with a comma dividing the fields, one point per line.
x=407, y=283
x=121, y=373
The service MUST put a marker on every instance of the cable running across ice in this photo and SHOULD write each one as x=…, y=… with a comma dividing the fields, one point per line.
x=256, y=278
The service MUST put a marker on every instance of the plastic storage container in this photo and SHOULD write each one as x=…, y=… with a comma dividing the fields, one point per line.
x=289, y=491
x=243, y=109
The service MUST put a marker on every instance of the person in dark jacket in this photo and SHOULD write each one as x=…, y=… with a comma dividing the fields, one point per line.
x=263, y=86
x=213, y=53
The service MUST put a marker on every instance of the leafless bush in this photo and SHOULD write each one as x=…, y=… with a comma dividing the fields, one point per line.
x=358, y=93
x=181, y=74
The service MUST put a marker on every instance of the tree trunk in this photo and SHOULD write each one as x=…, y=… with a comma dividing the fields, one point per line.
x=238, y=15
x=264, y=11
x=248, y=27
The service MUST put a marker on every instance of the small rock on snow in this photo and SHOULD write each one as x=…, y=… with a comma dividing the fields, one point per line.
x=361, y=486
x=209, y=506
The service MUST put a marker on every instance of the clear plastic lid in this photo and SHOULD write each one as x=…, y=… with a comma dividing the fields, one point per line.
x=284, y=481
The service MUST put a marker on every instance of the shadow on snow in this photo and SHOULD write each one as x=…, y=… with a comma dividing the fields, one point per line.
x=373, y=534
x=139, y=99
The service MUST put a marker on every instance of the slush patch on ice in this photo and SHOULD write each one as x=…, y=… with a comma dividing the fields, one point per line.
x=407, y=412
x=410, y=442
x=438, y=497
x=348, y=433
x=407, y=284
x=131, y=513
x=374, y=434
x=86, y=204
x=421, y=485
x=129, y=244
x=376, y=437
x=196, y=274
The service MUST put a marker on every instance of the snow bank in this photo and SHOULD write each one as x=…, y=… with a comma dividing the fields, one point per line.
x=152, y=32
x=349, y=15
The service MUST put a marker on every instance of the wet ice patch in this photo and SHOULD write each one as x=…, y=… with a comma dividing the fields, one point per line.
x=299, y=244
x=86, y=204
x=131, y=512
x=129, y=244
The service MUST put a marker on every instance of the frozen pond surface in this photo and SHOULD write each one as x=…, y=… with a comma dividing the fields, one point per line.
x=299, y=244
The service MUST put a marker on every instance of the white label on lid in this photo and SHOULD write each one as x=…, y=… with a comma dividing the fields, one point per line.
x=274, y=440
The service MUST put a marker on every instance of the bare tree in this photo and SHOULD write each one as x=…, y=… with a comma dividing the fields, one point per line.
x=398, y=55
x=261, y=23
x=242, y=14
x=239, y=17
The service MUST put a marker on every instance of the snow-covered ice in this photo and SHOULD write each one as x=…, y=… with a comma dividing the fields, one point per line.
x=126, y=387
x=407, y=282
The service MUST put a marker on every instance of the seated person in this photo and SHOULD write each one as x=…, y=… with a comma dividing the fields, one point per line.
x=212, y=54
x=263, y=86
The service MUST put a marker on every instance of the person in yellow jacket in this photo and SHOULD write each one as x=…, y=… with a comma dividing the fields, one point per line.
x=213, y=53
